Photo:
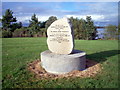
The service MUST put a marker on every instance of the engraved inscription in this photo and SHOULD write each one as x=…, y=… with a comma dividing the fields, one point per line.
x=59, y=26
x=58, y=34
x=59, y=39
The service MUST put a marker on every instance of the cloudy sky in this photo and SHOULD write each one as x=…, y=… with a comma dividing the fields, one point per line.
x=101, y=12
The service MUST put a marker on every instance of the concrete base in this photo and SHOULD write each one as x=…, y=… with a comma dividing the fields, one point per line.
x=62, y=63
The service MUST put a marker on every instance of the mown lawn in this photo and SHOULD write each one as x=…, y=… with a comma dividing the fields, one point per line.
x=17, y=52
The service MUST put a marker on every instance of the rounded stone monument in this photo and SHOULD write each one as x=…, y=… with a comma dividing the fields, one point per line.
x=61, y=57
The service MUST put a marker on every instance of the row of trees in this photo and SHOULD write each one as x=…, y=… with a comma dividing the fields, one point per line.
x=83, y=29
x=12, y=28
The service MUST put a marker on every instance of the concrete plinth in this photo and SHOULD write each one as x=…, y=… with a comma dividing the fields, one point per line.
x=62, y=63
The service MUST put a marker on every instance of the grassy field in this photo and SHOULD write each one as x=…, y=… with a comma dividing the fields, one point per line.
x=17, y=52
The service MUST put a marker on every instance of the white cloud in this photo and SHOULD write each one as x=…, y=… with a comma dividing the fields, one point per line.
x=19, y=7
x=43, y=18
x=25, y=19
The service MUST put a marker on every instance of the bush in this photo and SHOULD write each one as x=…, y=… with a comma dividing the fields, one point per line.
x=18, y=33
x=0, y=32
x=28, y=32
x=6, y=34
x=43, y=32
x=22, y=32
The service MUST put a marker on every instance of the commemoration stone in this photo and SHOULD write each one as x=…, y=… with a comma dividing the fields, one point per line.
x=60, y=37
x=61, y=58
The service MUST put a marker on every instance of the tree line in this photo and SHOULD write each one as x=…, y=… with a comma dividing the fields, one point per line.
x=83, y=29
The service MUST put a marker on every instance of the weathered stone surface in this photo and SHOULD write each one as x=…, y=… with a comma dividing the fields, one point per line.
x=60, y=37
x=63, y=63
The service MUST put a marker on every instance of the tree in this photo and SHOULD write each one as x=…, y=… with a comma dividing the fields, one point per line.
x=78, y=26
x=0, y=20
x=84, y=29
x=34, y=24
x=6, y=34
x=75, y=25
x=43, y=24
x=119, y=29
x=19, y=24
x=8, y=19
x=91, y=32
x=15, y=26
x=110, y=32
x=50, y=21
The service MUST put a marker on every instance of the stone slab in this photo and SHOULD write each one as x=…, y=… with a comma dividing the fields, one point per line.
x=60, y=36
x=62, y=63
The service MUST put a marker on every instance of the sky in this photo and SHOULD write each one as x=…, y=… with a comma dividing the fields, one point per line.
x=60, y=0
x=102, y=13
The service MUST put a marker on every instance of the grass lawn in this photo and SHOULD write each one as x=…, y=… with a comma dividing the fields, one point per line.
x=17, y=52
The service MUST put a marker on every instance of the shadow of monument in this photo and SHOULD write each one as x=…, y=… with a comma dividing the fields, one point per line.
x=101, y=56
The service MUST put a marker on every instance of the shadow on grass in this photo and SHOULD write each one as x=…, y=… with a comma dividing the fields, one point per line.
x=102, y=56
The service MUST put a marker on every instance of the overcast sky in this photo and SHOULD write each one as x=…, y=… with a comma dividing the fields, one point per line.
x=99, y=11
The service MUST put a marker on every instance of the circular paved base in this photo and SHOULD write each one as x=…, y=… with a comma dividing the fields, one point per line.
x=62, y=63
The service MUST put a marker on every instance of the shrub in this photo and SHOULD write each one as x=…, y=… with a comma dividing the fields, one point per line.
x=43, y=32
x=6, y=34
x=22, y=32
x=0, y=32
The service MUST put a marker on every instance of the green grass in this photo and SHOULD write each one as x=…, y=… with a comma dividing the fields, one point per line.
x=17, y=52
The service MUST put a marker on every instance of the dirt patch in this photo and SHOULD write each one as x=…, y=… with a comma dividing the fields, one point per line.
x=92, y=68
